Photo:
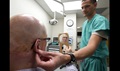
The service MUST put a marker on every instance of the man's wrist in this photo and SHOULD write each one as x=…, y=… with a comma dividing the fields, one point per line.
x=67, y=58
x=73, y=59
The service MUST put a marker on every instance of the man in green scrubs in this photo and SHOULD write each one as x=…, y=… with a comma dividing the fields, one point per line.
x=93, y=50
x=94, y=25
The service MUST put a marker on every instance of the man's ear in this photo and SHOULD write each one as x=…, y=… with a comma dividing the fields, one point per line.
x=95, y=4
x=37, y=47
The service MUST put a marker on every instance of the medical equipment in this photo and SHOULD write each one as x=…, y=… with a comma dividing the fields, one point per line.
x=53, y=21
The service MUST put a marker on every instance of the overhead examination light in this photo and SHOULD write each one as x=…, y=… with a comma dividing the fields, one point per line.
x=53, y=21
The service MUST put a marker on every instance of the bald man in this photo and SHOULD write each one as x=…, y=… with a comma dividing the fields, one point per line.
x=27, y=36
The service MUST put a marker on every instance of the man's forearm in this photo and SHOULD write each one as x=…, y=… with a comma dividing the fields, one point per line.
x=83, y=53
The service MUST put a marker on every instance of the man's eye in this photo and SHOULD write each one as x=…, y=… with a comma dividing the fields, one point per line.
x=85, y=6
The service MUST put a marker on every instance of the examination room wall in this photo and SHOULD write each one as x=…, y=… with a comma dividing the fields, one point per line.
x=59, y=27
x=32, y=8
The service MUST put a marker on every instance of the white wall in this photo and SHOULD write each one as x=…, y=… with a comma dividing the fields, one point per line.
x=32, y=8
x=58, y=28
x=80, y=21
x=72, y=31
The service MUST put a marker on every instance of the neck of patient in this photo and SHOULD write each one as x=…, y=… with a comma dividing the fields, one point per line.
x=22, y=61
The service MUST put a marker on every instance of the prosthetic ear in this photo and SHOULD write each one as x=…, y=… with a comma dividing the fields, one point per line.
x=37, y=45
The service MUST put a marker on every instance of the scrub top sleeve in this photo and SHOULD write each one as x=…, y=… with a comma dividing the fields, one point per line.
x=101, y=24
x=101, y=34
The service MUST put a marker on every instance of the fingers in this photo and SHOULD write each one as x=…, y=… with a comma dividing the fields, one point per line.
x=47, y=65
x=48, y=60
x=40, y=62
x=45, y=53
x=42, y=53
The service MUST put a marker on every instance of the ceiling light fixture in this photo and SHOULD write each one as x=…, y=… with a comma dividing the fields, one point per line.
x=53, y=21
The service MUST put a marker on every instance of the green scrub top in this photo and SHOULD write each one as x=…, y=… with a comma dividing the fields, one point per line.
x=96, y=62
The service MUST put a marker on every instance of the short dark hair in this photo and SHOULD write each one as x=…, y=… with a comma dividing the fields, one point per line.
x=93, y=1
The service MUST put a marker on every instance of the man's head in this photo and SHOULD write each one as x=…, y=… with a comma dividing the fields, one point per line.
x=88, y=7
x=26, y=38
x=93, y=1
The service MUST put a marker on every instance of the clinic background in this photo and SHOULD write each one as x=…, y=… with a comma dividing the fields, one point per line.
x=33, y=8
